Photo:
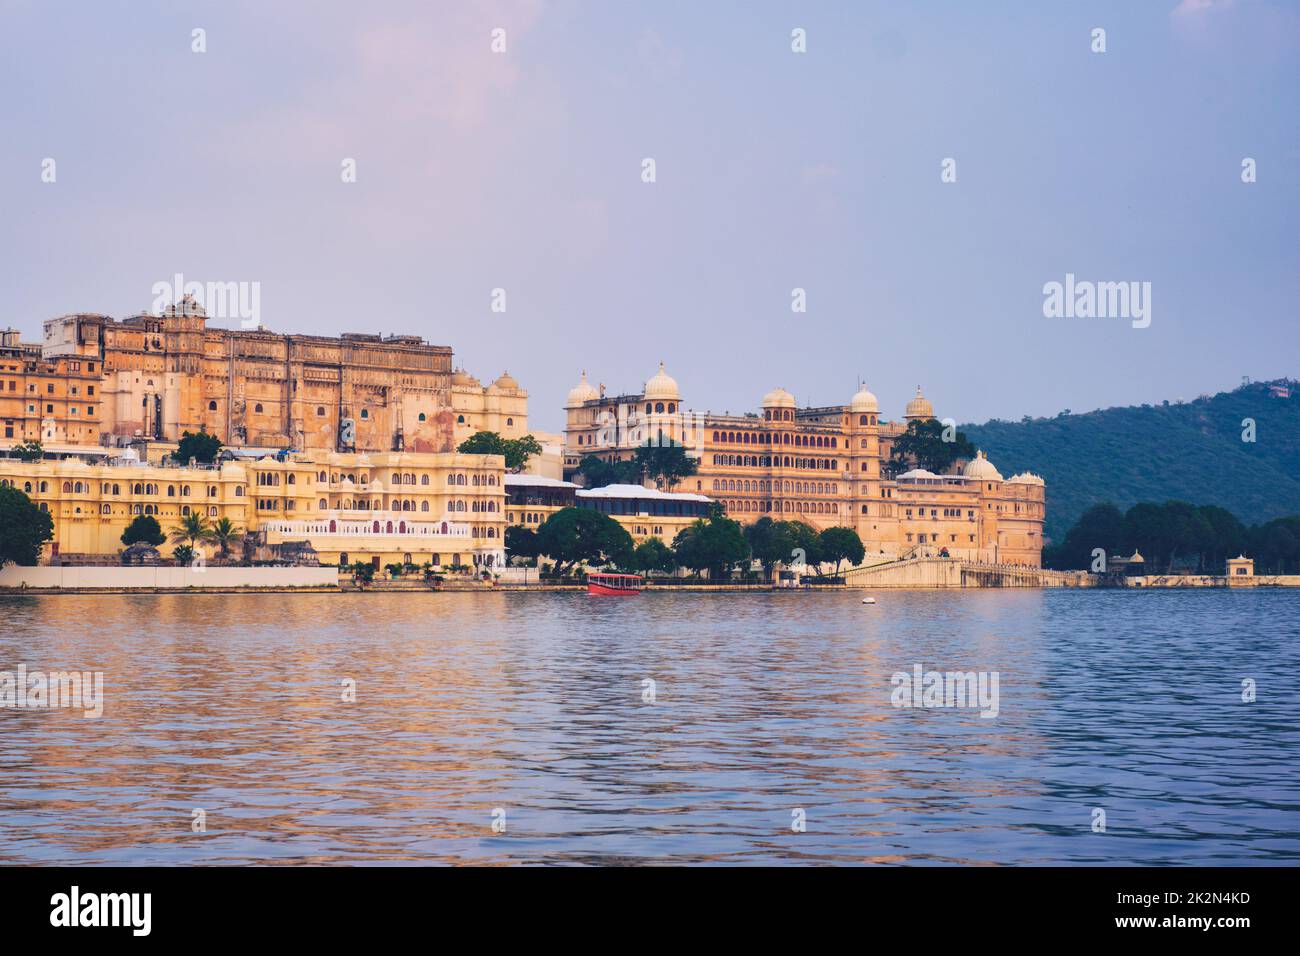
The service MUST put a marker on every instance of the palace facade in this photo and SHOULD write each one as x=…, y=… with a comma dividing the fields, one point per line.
x=447, y=509
x=95, y=380
x=823, y=466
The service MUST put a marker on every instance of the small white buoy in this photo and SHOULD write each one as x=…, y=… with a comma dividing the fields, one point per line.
x=868, y=600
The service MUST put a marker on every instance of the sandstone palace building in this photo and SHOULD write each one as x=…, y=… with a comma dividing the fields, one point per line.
x=824, y=466
x=345, y=444
x=99, y=381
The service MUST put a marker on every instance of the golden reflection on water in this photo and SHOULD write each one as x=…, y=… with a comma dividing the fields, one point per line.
x=533, y=704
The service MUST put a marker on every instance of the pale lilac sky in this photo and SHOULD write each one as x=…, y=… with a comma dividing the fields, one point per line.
x=775, y=170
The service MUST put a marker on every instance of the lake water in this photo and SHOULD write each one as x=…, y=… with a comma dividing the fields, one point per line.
x=531, y=710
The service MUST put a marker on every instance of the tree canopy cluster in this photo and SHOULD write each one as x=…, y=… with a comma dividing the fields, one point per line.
x=930, y=445
x=665, y=463
x=1180, y=535
x=24, y=528
x=200, y=446
x=516, y=451
x=715, y=545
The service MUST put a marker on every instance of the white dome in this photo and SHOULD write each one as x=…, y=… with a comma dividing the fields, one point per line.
x=864, y=401
x=582, y=392
x=506, y=381
x=662, y=385
x=981, y=468
x=1025, y=478
x=778, y=398
x=919, y=407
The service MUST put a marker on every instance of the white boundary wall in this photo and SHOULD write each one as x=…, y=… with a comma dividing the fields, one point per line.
x=12, y=576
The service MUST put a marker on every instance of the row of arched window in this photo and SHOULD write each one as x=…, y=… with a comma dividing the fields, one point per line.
x=271, y=479
x=790, y=487
x=788, y=507
x=475, y=481
x=769, y=438
x=776, y=461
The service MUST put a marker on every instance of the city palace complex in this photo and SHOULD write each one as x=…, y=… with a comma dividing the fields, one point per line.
x=347, y=446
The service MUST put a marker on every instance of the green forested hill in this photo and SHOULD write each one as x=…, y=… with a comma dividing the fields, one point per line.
x=1192, y=451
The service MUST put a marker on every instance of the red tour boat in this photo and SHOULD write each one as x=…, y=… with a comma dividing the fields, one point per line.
x=614, y=584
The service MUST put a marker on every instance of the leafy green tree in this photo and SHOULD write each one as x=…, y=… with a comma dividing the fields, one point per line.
x=714, y=545
x=769, y=543
x=143, y=529
x=653, y=555
x=802, y=538
x=363, y=571
x=574, y=535
x=192, y=529
x=521, y=542
x=225, y=533
x=200, y=446
x=1228, y=538
x=840, y=545
x=516, y=451
x=597, y=473
x=28, y=451
x=24, y=528
x=667, y=464
x=923, y=443
x=183, y=553
x=1101, y=526
x=1275, y=545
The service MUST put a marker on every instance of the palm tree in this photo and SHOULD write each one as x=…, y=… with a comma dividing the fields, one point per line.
x=192, y=529
x=225, y=533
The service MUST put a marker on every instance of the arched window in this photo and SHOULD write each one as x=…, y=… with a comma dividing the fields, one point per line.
x=171, y=491
x=510, y=421
x=320, y=411
x=460, y=419
x=67, y=487
x=212, y=406
x=258, y=407
x=322, y=505
x=424, y=479
x=421, y=416
x=365, y=413
x=239, y=491
x=292, y=479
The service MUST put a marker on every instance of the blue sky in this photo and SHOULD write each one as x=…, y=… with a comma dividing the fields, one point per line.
x=775, y=170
